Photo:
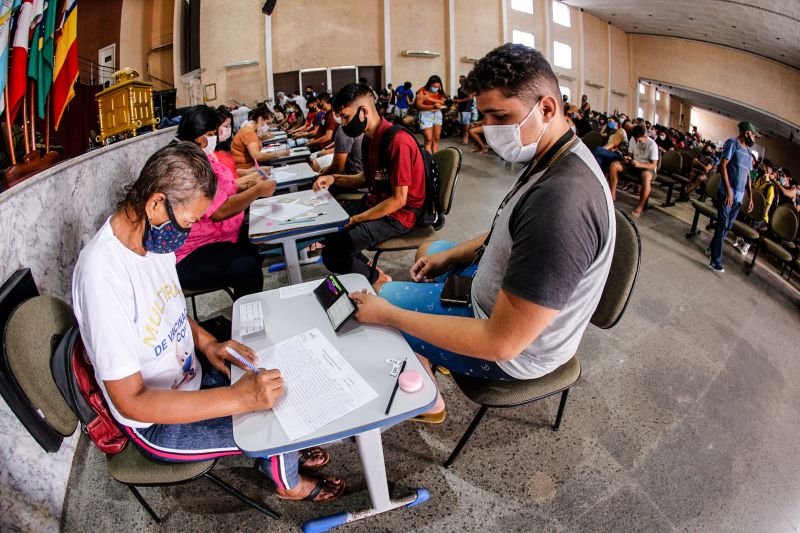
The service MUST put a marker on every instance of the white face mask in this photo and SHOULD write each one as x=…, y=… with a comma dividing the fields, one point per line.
x=262, y=130
x=211, y=145
x=225, y=134
x=337, y=118
x=505, y=140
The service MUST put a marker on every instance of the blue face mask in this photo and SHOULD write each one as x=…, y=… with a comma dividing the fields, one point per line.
x=434, y=90
x=167, y=237
x=612, y=125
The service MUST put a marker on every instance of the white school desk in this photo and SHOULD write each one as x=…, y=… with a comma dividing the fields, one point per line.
x=261, y=230
x=366, y=347
x=304, y=175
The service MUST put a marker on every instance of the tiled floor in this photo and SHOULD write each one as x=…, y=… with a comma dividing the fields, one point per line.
x=686, y=417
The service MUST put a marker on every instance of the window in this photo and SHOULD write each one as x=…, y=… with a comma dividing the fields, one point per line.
x=655, y=119
x=561, y=14
x=522, y=37
x=639, y=112
x=566, y=91
x=658, y=96
x=562, y=55
x=641, y=88
x=526, y=6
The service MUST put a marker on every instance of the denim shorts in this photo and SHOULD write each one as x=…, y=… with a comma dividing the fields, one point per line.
x=466, y=117
x=428, y=119
x=424, y=298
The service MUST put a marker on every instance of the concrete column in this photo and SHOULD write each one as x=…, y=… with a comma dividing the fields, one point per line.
x=387, y=42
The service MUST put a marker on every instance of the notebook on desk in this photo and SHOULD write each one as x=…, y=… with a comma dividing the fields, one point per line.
x=288, y=214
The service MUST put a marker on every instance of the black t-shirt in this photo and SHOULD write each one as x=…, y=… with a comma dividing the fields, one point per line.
x=582, y=126
x=463, y=107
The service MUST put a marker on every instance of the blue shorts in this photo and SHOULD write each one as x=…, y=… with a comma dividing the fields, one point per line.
x=428, y=119
x=466, y=117
x=424, y=298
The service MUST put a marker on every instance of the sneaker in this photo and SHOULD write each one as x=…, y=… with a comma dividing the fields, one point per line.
x=744, y=248
x=717, y=269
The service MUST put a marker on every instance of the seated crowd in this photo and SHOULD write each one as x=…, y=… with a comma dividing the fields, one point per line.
x=182, y=225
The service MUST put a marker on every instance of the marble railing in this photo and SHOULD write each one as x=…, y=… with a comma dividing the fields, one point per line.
x=44, y=223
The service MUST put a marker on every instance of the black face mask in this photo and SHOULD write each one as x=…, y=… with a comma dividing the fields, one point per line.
x=749, y=141
x=356, y=126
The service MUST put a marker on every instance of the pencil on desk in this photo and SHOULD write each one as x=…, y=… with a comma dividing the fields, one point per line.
x=396, y=384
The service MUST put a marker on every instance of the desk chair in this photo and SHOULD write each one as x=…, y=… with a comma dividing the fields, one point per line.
x=616, y=295
x=670, y=174
x=702, y=208
x=32, y=333
x=592, y=140
x=783, y=226
x=745, y=230
x=193, y=293
x=449, y=162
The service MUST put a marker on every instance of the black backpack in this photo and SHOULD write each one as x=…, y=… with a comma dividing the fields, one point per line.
x=430, y=214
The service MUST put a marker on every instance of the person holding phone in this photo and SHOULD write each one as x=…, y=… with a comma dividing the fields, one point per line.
x=539, y=272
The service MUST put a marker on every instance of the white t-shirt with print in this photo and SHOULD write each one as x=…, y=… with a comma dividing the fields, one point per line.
x=132, y=316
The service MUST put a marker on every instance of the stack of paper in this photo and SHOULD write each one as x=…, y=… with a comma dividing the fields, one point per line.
x=280, y=211
x=251, y=319
x=283, y=174
x=319, y=384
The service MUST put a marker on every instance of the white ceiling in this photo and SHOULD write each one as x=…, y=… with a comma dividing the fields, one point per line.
x=766, y=123
x=769, y=28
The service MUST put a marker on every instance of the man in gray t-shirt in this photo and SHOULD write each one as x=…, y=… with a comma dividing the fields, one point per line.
x=540, y=270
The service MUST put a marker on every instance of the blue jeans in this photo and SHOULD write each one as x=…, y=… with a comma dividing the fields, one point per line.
x=605, y=157
x=424, y=298
x=726, y=216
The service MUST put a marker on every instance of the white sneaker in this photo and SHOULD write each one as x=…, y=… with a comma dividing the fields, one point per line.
x=744, y=249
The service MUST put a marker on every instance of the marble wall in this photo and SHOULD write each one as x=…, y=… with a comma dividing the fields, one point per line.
x=44, y=223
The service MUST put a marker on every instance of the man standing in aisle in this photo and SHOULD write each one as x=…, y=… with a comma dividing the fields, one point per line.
x=734, y=169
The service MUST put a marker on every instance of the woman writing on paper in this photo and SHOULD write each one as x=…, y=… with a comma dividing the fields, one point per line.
x=174, y=402
x=246, y=145
x=218, y=252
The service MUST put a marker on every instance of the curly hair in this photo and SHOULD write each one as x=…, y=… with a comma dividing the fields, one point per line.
x=179, y=170
x=516, y=70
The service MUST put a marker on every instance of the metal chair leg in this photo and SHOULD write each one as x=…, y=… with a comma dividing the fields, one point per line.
x=144, y=504
x=194, y=308
x=467, y=434
x=753, y=262
x=374, y=266
x=233, y=492
x=561, y=405
x=695, y=221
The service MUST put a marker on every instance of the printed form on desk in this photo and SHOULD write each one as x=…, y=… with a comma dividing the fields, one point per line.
x=319, y=384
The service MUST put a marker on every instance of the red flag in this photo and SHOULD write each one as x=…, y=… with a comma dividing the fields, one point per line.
x=18, y=77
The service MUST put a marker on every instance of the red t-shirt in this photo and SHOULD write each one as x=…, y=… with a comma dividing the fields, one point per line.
x=404, y=168
x=328, y=124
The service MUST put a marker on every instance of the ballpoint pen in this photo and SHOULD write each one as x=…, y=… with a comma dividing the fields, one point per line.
x=394, y=390
x=242, y=360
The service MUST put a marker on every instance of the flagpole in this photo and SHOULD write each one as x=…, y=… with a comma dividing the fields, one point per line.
x=47, y=125
x=11, y=150
x=25, y=122
x=33, y=116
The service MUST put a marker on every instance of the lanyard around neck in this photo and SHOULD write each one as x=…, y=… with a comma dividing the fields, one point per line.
x=537, y=165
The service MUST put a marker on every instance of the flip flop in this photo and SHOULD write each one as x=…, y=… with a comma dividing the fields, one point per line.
x=309, y=453
x=430, y=418
x=322, y=482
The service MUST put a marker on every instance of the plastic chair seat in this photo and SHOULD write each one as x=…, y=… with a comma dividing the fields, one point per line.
x=777, y=250
x=133, y=468
x=511, y=393
x=746, y=232
x=708, y=210
x=413, y=239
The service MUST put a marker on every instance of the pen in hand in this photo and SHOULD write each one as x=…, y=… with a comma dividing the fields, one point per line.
x=242, y=360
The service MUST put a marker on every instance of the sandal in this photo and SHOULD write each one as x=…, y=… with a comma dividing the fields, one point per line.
x=309, y=453
x=431, y=418
x=322, y=482
x=636, y=213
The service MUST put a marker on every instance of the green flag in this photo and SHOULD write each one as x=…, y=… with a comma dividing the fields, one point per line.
x=45, y=79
